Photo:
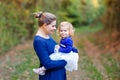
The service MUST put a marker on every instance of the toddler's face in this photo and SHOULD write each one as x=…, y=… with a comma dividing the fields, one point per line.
x=64, y=31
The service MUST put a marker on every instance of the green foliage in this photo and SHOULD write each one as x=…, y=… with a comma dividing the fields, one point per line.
x=15, y=25
x=23, y=69
x=7, y=35
x=21, y=65
x=77, y=12
x=89, y=29
x=18, y=23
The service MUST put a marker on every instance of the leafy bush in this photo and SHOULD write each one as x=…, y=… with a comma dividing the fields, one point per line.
x=13, y=25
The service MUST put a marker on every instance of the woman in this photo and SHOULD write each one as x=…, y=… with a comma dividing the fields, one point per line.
x=44, y=46
x=65, y=50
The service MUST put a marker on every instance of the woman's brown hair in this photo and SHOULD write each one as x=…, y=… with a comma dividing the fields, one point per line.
x=44, y=17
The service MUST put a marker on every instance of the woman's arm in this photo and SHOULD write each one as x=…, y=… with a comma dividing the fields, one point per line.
x=44, y=58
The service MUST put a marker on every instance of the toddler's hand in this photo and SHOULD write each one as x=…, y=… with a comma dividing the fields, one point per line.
x=56, y=48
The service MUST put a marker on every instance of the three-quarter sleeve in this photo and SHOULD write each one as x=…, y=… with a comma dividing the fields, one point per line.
x=42, y=53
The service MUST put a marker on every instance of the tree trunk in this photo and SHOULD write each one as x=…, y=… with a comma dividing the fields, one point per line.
x=112, y=18
x=111, y=22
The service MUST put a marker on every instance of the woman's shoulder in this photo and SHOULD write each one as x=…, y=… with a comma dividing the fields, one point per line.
x=42, y=40
x=39, y=39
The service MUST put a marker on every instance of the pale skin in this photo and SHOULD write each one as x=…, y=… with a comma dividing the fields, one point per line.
x=45, y=30
x=64, y=31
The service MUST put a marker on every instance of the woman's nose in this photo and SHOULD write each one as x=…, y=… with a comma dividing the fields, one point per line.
x=54, y=28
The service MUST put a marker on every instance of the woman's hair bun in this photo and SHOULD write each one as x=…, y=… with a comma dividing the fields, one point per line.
x=38, y=14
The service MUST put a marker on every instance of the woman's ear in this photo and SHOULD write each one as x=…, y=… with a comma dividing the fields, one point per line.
x=44, y=25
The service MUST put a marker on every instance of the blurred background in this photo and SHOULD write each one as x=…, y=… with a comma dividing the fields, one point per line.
x=97, y=21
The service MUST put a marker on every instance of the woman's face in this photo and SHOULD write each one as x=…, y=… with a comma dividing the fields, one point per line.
x=51, y=27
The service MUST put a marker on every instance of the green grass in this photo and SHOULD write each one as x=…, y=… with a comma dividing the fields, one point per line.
x=27, y=60
x=89, y=29
x=8, y=40
x=23, y=70
x=90, y=68
x=112, y=67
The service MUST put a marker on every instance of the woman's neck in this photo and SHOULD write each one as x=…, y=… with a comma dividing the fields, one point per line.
x=42, y=33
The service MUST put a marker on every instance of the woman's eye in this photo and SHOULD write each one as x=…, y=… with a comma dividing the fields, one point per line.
x=53, y=25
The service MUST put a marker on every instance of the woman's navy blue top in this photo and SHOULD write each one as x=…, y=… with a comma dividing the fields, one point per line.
x=55, y=68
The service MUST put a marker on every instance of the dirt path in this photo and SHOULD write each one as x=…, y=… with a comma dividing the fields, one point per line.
x=6, y=70
x=94, y=53
x=80, y=74
x=11, y=56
